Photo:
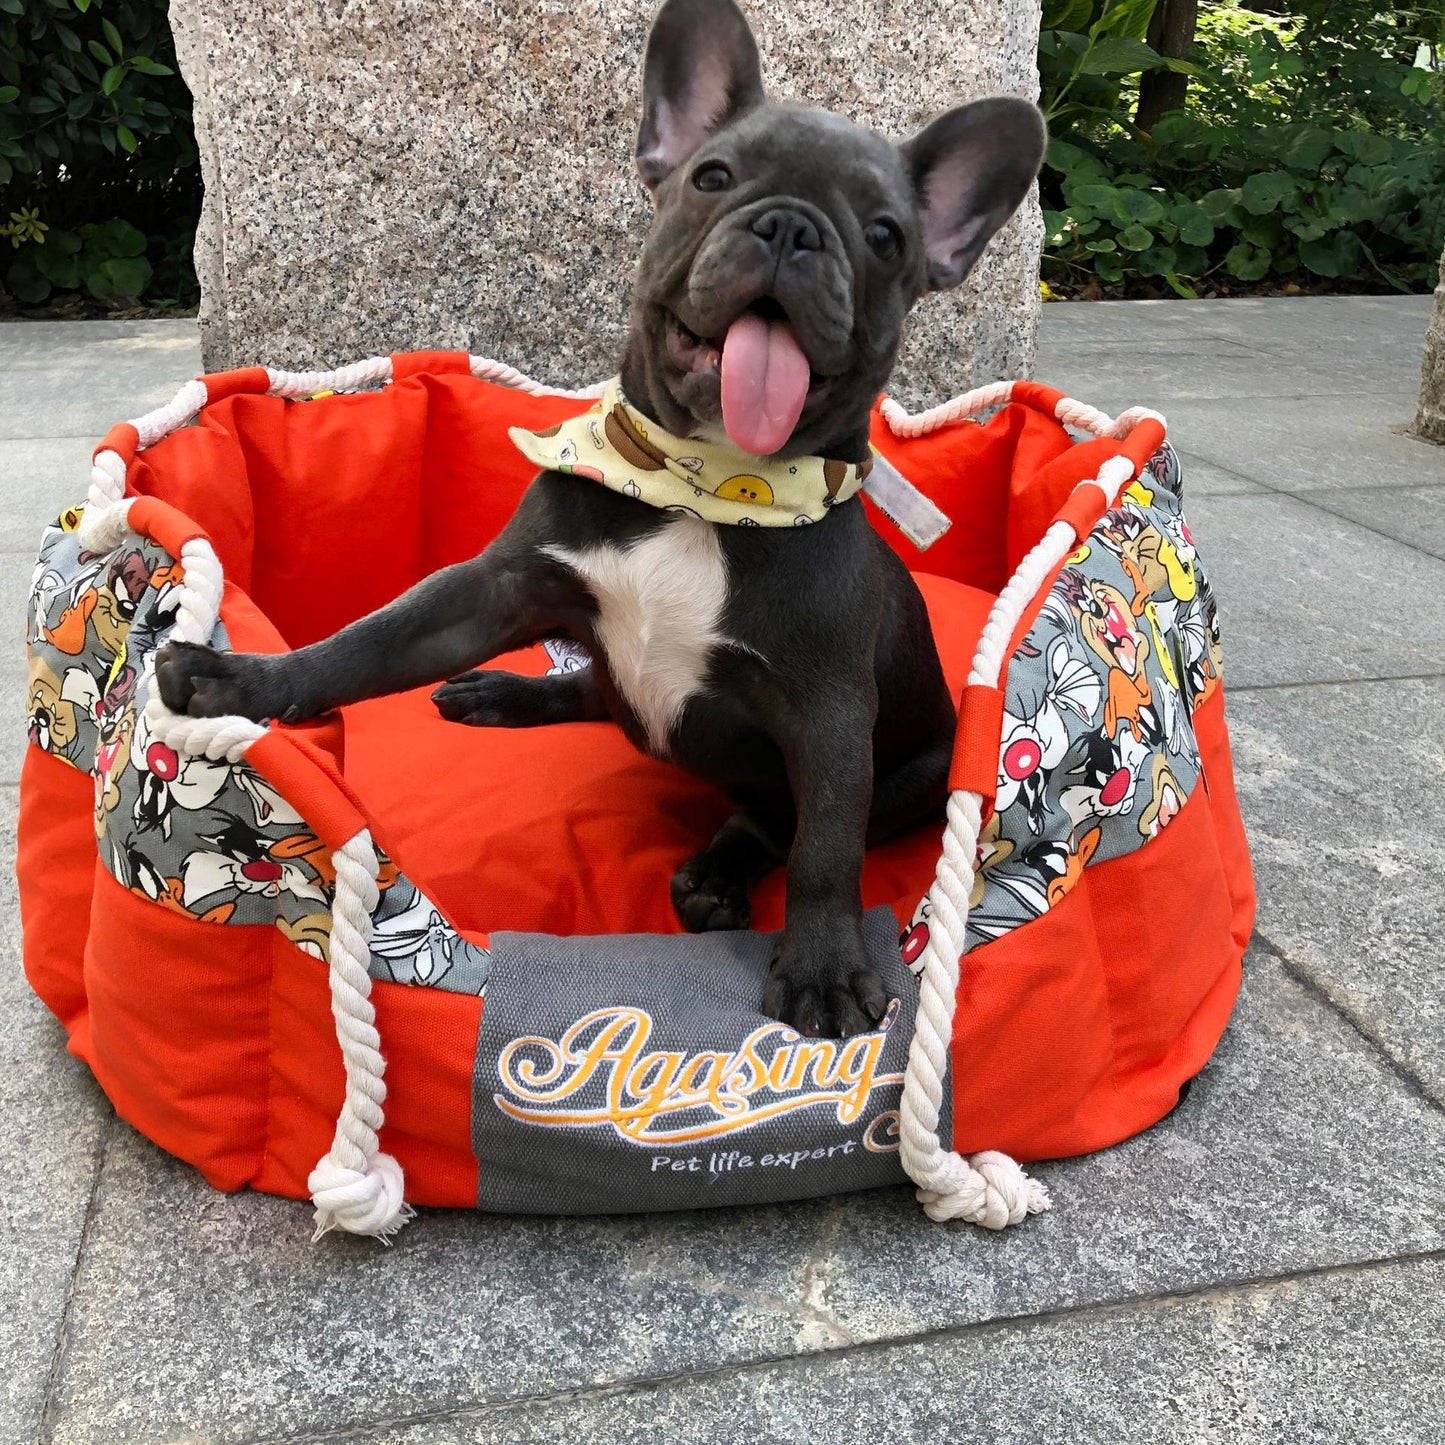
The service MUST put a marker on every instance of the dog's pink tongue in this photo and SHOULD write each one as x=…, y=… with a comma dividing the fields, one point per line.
x=764, y=383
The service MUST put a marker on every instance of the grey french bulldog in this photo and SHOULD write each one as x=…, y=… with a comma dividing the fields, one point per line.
x=793, y=667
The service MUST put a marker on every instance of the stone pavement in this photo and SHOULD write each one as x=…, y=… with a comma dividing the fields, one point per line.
x=1266, y=1265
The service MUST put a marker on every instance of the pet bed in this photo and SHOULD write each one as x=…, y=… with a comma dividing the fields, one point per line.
x=442, y=962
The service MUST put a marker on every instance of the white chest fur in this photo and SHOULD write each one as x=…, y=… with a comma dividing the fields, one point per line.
x=659, y=612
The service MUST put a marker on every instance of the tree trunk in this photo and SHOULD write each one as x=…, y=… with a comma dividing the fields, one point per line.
x=1171, y=34
x=1430, y=419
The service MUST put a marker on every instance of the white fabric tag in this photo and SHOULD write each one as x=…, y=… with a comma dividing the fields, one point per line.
x=903, y=504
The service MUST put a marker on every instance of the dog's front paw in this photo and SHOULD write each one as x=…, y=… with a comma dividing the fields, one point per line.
x=825, y=987
x=205, y=683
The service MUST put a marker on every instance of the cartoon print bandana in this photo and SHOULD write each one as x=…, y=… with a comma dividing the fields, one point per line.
x=613, y=443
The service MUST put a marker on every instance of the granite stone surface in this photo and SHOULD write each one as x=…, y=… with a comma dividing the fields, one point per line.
x=198, y=1315
x=1430, y=418
x=1328, y=1358
x=396, y=175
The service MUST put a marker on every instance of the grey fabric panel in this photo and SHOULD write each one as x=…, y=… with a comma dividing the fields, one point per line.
x=635, y=1072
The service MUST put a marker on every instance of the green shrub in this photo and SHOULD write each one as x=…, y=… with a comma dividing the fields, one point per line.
x=99, y=179
x=1311, y=151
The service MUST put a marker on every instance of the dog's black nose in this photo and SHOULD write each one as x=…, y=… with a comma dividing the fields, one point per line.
x=787, y=232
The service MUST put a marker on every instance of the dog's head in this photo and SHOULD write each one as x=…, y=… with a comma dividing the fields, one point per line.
x=789, y=244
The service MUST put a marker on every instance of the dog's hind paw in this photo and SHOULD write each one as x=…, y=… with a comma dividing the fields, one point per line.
x=707, y=902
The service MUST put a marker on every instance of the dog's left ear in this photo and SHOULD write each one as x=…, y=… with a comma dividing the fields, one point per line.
x=970, y=169
x=701, y=71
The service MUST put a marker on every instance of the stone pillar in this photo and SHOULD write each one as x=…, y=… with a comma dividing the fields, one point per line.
x=401, y=174
x=1430, y=419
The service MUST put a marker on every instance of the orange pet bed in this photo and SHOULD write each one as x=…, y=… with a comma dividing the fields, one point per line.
x=442, y=961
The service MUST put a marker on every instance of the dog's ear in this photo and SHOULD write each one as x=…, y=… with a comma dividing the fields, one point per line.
x=701, y=71
x=970, y=169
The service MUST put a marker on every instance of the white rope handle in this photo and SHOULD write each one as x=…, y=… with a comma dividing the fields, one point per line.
x=987, y=1188
x=355, y=1186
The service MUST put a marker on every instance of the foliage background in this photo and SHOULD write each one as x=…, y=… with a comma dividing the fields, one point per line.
x=1309, y=153
x=100, y=184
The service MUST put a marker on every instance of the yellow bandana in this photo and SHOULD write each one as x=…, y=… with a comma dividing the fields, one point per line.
x=613, y=443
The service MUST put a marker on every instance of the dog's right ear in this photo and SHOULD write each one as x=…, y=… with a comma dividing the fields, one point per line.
x=701, y=71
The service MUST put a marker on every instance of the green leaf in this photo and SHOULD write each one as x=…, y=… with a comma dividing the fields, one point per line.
x=112, y=37
x=1248, y=263
x=68, y=38
x=57, y=267
x=1141, y=206
x=114, y=238
x=1264, y=190
x=1118, y=55
x=1334, y=255
x=1216, y=204
x=80, y=106
x=14, y=7
x=1181, y=287
x=1109, y=268
x=100, y=52
x=110, y=81
x=146, y=66
x=82, y=5
x=9, y=93
x=1309, y=149
x=119, y=276
x=24, y=282
x=1095, y=195
x=1101, y=246
x=126, y=136
x=1195, y=226
x=1136, y=238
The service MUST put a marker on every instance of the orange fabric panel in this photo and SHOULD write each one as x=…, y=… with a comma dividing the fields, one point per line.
x=1070, y=1035
x=178, y=1034
x=1086, y=504
x=122, y=438
x=969, y=471
x=306, y=775
x=54, y=866
x=975, y=745
x=201, y=471
x=1213, y=739
x=221, y=384
x=163, y=524
x=429, y=1039
x=434, y=363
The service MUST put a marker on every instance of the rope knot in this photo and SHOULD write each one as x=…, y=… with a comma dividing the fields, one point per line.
x=988, y=1188
x=360, y=1201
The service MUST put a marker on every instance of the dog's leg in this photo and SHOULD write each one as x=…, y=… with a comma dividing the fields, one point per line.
x=512, y=595
x=508, y=700
x=710, y=891
x=822, y=981
x=909, y=792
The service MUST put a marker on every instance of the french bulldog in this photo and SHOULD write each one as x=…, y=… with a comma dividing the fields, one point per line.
x=793, y=667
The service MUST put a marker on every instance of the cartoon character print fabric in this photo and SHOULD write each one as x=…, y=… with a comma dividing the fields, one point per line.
x=206, y=839
x=1097, y=753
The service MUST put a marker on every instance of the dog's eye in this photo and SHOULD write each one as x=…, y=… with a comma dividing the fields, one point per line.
x=884, y=239
x=712, y=177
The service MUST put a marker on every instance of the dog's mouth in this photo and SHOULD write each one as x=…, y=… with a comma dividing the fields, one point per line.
x=765, y=376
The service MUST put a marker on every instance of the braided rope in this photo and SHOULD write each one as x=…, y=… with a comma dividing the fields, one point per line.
x=987, y=1188
x=903, y=423
x=355, y=1186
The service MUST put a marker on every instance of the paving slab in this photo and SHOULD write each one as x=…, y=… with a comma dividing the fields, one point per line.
x=1332, y=1359
x=212, y=1317
x=77, y=378
x=39, y=478
x=55, y=1121
x=1413, y=515
x=1305, y=596
x=1341, y=788
x=1305, y=443
x=1204, y=479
